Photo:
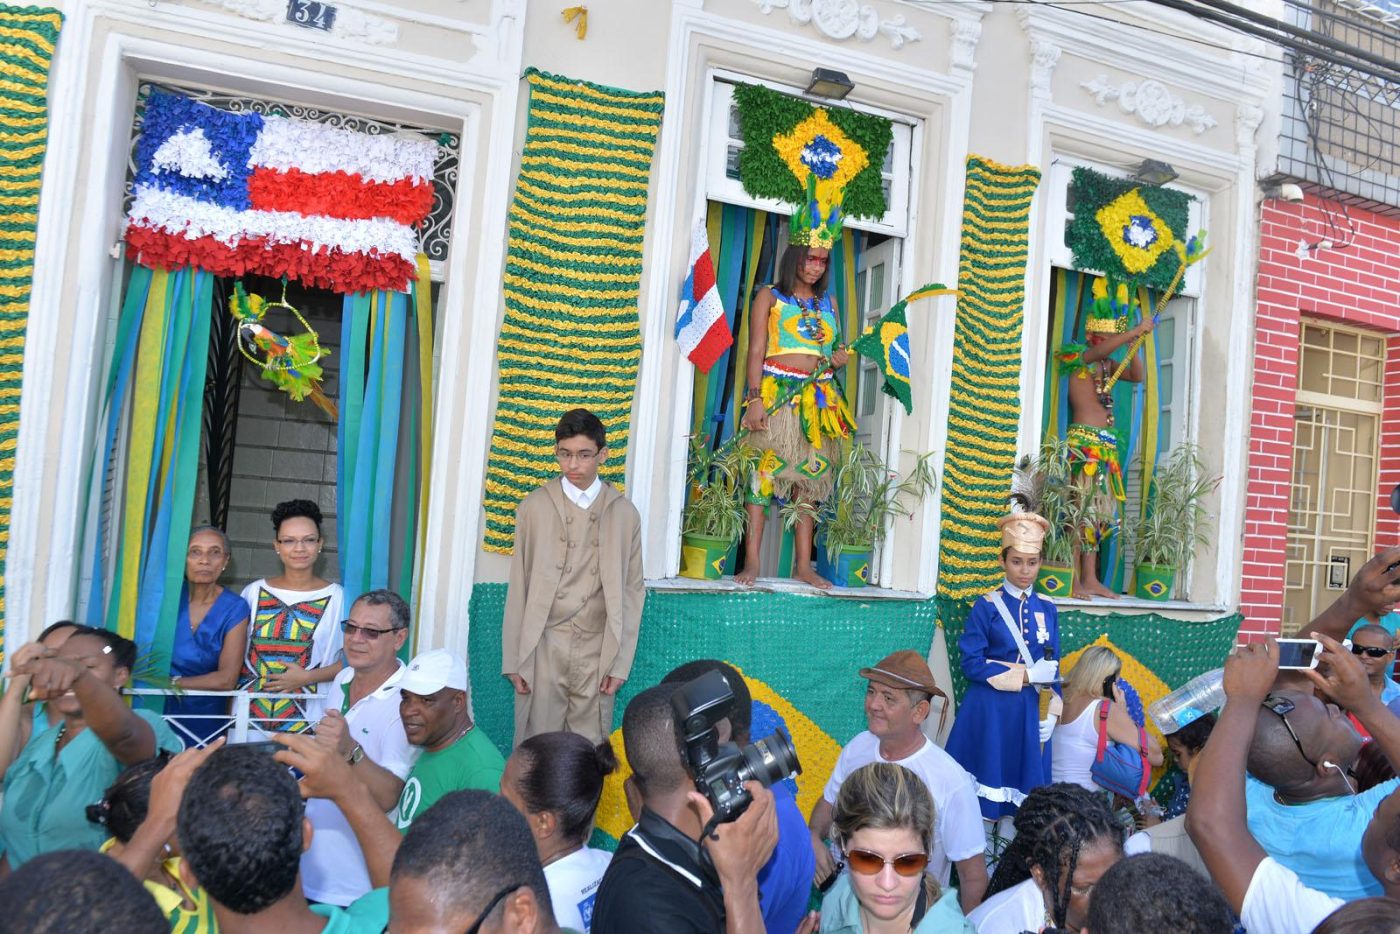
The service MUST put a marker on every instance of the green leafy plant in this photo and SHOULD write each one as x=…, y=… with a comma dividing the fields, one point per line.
x=1177, y=520
x=1045, y=484
x=866, y=496
x=718, y=481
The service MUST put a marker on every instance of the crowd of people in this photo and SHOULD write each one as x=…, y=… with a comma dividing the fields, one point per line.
x=368, y=799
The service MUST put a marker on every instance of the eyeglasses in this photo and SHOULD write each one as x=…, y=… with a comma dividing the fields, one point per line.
x=582, y=457
x=868, y=864
x=491, y=906
x=294, y=542
x=1283, y=706
x=1370, y=650
x=350, y=629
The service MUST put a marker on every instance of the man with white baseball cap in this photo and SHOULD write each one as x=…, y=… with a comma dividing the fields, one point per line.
x=456, y=754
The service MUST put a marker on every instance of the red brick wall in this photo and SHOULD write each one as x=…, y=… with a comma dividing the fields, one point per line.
x=1359, y=285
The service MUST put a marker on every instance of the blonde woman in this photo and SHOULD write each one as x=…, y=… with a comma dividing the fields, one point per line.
x=883, y=823
x=1092, y=682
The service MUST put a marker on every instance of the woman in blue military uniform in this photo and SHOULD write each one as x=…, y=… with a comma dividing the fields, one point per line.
x=1009, y=652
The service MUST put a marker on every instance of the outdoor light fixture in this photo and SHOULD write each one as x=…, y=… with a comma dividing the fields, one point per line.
x=833, y=85
x=1154, y=172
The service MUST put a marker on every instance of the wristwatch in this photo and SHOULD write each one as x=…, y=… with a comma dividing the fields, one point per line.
x=356, y=754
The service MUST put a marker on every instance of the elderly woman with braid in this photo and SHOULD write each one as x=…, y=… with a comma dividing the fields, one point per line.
x=1066, y=838
x=883, y=822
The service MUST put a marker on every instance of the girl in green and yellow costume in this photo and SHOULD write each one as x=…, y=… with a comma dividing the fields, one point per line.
x=795, y=334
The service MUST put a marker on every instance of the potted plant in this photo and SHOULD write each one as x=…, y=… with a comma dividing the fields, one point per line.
x=1045, y=484
x=1175, y=522
x=853, y=519
x=714, y=518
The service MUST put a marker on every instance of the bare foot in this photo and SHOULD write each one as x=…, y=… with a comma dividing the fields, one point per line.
x=1095, y=589
x=747, y=576
x=808, y=576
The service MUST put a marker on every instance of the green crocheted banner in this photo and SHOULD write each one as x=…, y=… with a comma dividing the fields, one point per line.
x=570, y=337
x=27, y=39
x=765, y=173
x=1126, y=235
x=984, y=398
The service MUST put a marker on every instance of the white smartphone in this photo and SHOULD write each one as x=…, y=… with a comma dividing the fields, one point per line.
x=1296, y=654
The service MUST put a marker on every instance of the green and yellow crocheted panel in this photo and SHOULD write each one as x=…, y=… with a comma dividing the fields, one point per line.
x=570, y=337
x=984, y=397
x=27, y=39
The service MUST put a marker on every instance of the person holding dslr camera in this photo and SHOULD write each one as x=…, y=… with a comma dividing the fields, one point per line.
x=691, y=863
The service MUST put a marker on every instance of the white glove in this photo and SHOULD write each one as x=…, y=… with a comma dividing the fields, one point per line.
x=1043, y=671
x=1047, y=726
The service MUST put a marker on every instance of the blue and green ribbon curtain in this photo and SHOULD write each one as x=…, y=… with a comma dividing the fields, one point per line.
x=1136, y=406
x=384, y=437
x=151, y=411
x=746, y=244
x=28, y=36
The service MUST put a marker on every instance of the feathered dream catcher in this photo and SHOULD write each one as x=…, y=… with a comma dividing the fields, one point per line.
x=292, y=364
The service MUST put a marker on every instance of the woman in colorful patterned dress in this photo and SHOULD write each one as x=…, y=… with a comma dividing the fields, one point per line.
x=294, y=644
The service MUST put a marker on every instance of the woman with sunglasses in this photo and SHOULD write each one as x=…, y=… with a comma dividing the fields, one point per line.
x=294, y=645
x=1374, y=646
x=1066, y=838
x=883, y=823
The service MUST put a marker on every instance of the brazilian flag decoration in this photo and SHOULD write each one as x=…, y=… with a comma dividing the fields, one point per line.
x=887, y=343
x=787, y=141
x=1126, y=230
x=800, y=657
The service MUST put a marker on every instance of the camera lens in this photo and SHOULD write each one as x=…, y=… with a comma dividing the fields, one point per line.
x=769, y=760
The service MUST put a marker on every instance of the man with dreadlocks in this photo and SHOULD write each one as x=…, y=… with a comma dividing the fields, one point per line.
x=1066, y=838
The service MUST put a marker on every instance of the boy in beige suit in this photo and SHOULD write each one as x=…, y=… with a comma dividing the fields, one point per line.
x=575, y=600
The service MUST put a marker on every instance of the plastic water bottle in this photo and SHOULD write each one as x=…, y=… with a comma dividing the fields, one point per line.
x=1201, y=695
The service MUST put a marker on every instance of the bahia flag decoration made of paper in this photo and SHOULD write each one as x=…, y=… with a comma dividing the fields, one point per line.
x=250, y=193
x=702, y=329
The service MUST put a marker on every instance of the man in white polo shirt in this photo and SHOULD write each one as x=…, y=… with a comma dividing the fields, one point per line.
x=362, y=722
x=896, y=704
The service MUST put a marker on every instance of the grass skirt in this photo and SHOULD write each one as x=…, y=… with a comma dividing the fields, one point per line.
x=802, y=439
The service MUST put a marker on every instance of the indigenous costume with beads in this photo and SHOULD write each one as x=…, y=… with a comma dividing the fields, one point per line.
x=1096, y=462
x=808, y=416
x=996, y=736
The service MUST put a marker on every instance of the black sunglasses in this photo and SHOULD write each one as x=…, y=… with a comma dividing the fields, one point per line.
x=1371, y=650
x=491, y=906
x=1283, y=706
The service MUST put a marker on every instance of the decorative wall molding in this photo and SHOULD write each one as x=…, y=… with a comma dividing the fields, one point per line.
x=350, y=23
x=1151, y=102
x=1247, y=120
x=966, y=34
x=1045, y=55
x=844, y=19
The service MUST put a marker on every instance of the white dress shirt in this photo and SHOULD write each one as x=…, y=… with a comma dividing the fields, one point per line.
x=581, y=498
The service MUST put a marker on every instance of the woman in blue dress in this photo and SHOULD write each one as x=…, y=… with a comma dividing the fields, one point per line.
x=998, y=735
x=211, y=635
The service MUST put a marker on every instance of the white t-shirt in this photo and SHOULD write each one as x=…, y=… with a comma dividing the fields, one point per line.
x=1277, y=902
x=957, y=833
x=573, y=886
x=1012, y=911
x=326, y=640
x=333, y=870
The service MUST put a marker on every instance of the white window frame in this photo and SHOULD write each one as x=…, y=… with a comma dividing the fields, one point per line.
x=718, y=143
x=897, y=222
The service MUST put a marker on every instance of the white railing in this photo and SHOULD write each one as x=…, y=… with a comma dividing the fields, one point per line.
x=235, y=724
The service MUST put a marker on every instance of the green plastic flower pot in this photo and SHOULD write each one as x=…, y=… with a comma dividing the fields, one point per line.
x=850, y=569
x=1153, y=583
x=703, y=557
x=1054, y=580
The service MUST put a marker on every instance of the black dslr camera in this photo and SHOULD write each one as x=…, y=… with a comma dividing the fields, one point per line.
x=720, y=769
